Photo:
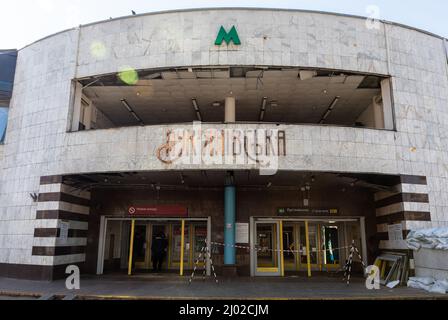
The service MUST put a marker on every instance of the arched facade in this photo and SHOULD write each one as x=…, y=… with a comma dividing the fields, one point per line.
x=46, y=158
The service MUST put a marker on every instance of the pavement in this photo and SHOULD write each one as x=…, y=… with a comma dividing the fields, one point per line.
x=172, y=287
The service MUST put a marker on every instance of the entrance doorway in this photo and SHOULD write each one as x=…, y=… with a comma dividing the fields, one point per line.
x=291, y=245
x=143, y=249
x=330, y=244
x=324, y=246
x=195, y=235
x=268, y=248
x=142, y=234
x=140, y=246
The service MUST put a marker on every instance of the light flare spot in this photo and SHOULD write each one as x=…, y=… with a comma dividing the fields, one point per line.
x=128, y=75
x=98, y=50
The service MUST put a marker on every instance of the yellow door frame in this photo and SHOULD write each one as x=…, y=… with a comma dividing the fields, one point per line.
x=308, y=254
x=131, y=248
x=182, y=246
x=278, y=257
x=282, y=256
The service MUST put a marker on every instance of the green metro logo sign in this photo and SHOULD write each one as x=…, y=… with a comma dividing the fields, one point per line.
x=231, y=36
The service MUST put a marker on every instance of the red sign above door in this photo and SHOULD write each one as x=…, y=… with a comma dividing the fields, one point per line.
x=158, y=211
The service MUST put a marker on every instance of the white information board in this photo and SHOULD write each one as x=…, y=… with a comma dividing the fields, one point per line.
x=63, y=233
x=395, y=232
x=242, y=233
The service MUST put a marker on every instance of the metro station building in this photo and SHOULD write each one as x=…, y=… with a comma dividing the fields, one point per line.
x=274, y=138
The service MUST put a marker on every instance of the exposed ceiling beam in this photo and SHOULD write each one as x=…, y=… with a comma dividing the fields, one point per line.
x=196, y=109
x=131, y=111
x=330, y=109
x=263, y=108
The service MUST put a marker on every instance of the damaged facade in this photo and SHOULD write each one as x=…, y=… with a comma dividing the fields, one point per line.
x=352, y=122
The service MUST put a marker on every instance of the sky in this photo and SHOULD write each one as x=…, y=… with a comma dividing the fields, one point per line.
x=25, y=21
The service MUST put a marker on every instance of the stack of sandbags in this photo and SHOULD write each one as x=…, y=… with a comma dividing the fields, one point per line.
x=429, y=284
x=434, y=238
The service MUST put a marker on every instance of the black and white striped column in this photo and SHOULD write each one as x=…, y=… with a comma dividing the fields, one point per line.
x=408, y=204
x=60, y=205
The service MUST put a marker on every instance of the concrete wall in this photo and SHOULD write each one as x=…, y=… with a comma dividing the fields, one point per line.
x=37, y=126
x=431, y=263
x=38, y=144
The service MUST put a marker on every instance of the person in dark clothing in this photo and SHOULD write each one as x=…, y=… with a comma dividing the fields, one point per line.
x=158, y=251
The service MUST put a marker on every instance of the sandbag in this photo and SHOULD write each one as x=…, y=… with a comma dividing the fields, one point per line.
x=422, y=280
x=433, y=238
x=429, y=284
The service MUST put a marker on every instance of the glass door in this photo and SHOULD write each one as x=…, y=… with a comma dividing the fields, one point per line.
x=140, y=253
x=158, y=231
x=314, y=245
x=267, y=241
x=291, y=247
x=330, y=247
x=199, y=243
x=174, y=246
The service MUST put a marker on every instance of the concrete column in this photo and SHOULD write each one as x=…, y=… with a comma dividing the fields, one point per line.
x=378, y=114
x=388, y=113
x=229, y=222
x=230, y=110
x=76, y=114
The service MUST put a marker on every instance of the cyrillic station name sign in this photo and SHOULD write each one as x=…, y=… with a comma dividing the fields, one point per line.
x=260, y=148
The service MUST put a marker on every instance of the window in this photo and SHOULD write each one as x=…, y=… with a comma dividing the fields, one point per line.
x=7, y=71
x=3, y=123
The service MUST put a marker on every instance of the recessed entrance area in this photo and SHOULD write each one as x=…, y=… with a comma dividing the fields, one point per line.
x=291, y=223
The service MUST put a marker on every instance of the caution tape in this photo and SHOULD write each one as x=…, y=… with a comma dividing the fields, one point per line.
x=264, y=249
x=348, y=266
x=204, y=251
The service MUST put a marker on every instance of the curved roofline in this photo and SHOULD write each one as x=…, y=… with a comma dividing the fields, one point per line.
x=242, y=9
